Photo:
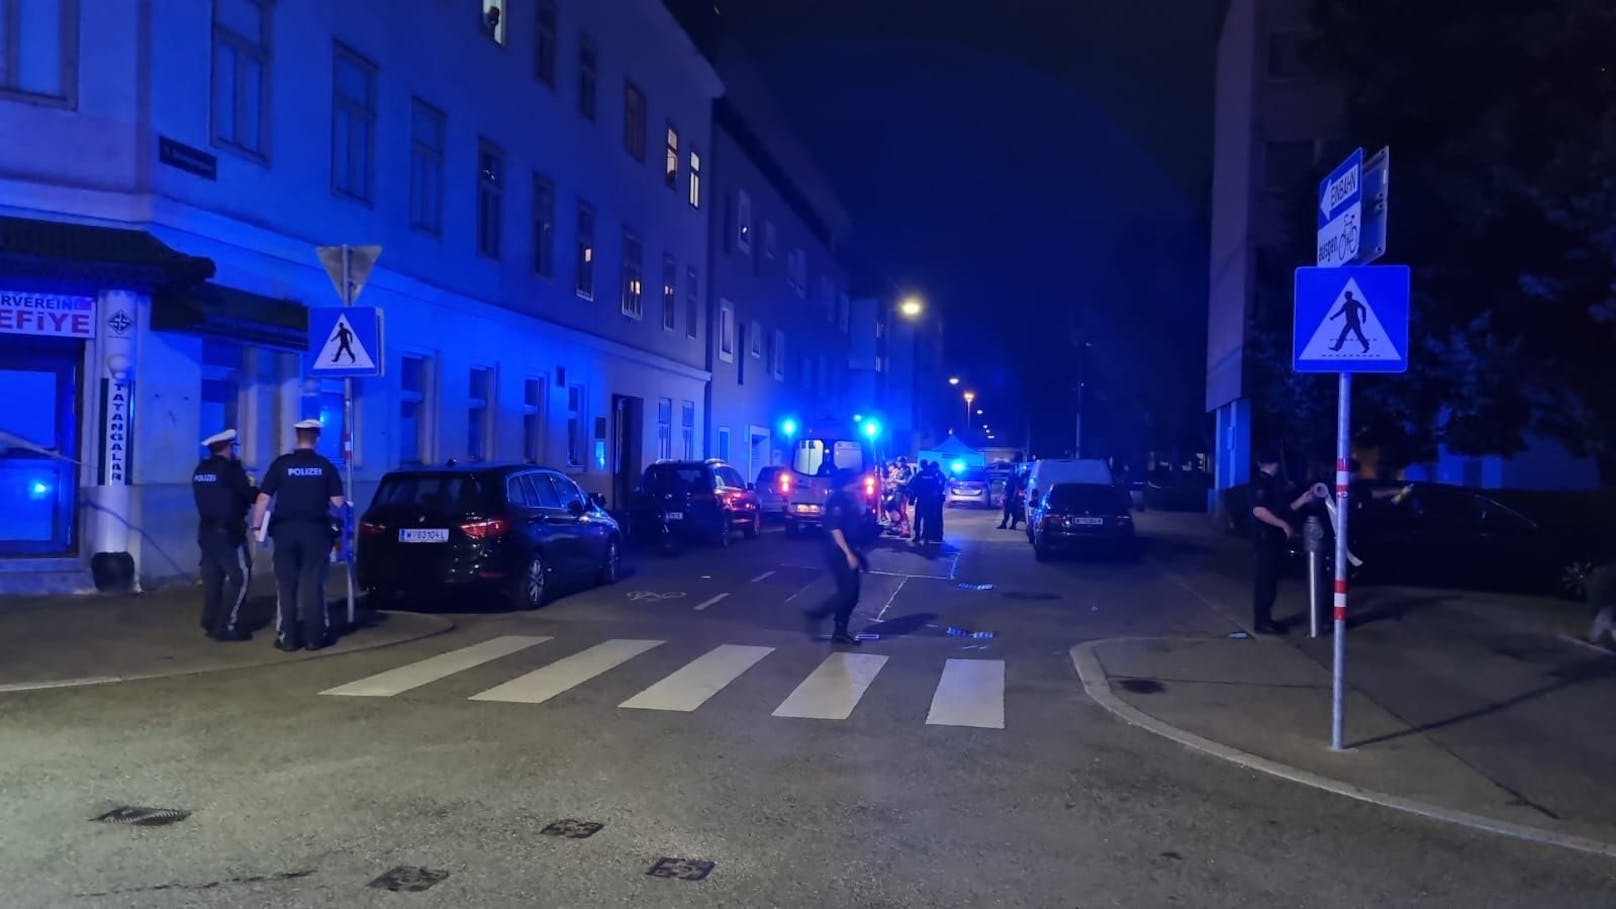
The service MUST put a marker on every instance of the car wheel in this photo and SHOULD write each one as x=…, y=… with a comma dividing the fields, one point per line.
x=531, y=588
x=612, y=567
x=724, y=532
x=754, y=528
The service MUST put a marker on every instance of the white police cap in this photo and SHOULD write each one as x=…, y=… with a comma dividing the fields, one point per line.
x=307, y=424
x=229, y=435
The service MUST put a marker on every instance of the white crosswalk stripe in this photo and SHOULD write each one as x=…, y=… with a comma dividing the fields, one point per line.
x=700, y=679
x=414, y=675
x=567, y=673
x=970, y=693
x=833, y=689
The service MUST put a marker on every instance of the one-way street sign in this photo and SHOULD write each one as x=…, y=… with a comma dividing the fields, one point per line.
x=1341, y=212
x=1351, y=319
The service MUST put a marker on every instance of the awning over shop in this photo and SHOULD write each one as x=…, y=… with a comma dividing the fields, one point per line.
x=218, y=311
x=56, y=254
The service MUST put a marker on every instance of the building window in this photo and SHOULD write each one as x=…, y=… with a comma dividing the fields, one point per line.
x=585, y=284
x=827, y=298
x=797, y=272
x=770, y=240
x=670, y=293
x=426, y=168
x=664, y=428
x=587, y=78
x=633, y=275
x=1287, y=165
x=743, y=221
x=687, y=424
x=1292, y=55
x=723, y=443
x=353, y=125
x=692, y=298
x=479, y=401
x=39, y=44
x=493, y=20
x=414, y=412
x=533, y=420
x=671, y=159
x=756, y=333
x=543, y=226
x=548, y=46
x=695, y=179
x=221, y=386
x=726, y=332
x=240, y=73
x=777, y=355
x=633, y=121
x=576, y=427
x=490, y=197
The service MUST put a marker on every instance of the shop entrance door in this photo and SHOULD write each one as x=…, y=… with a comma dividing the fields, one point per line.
x=39, y=487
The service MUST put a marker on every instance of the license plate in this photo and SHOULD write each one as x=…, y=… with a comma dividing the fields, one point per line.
x=1090, y=522
x=423, y=536
x=676, y=516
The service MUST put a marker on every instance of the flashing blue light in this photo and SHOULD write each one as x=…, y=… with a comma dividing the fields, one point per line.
x=789, y=427
x=957, y=467
x=858, y=417
x=872, y=428
x=38, y=490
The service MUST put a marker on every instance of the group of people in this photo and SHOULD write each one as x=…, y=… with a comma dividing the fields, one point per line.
x=924, y=488
x=306, y=490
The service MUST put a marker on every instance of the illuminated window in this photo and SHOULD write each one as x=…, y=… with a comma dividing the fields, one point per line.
x=585, y=260
x=240, y=71
x=633, y=275
x=671, y=159
x=695, y=179
x=493, y=20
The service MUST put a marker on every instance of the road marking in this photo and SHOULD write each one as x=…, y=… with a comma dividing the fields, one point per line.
x=891, y=599
x=540, y=685
x=970, y=693
x=705, y=604
x=764, y=575
x=833, y=689
x=422, y=672
x=700, y=679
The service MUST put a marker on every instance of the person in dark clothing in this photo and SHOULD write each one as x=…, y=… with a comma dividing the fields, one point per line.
x=305, y=487
x=929, y=502
x=842, y=558
x=1273, y=523
x=1012, y=497
x=223, y=497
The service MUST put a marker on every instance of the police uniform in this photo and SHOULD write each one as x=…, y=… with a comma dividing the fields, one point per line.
x=1269, y=544
x=303, y=483
x=841, y=513
x=223, y=495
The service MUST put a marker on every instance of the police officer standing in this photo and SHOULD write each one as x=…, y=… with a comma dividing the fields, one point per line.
x=1012, y=497
x=223, y=495
x=1273, y=523
x=841, y=528
x=305, y=487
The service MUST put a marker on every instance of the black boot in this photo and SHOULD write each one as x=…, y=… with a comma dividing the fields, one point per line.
x=844, y=637
x=288, y=645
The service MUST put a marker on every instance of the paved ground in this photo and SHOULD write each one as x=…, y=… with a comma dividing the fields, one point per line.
x=687, y=711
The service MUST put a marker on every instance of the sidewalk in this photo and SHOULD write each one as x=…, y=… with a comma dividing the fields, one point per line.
x=62, y=641
x=1466, y=702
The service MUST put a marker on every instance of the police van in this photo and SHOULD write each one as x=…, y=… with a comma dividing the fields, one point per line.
x=809, y=479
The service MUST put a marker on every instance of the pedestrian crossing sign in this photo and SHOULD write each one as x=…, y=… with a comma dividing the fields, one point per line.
x=1351, y=319
x=345, y=342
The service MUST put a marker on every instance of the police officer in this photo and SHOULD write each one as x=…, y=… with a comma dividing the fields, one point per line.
x=842, y=514
x=305, y=487
x=1273, y=523
x=1012, y=497
x=223, y=496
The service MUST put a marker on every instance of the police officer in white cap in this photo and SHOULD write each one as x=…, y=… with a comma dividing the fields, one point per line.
x=305, y=487
x=223, y=495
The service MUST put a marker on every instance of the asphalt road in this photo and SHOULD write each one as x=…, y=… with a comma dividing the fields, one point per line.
x=688, y=712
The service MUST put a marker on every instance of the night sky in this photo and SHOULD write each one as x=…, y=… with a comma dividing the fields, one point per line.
x=1014, y=166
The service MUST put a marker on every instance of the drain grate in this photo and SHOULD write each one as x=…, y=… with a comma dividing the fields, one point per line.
x=573, y=829
x=1142, y=686
x=408, y=879
x=681, y=869
x=1029, y=595
x=143, y=817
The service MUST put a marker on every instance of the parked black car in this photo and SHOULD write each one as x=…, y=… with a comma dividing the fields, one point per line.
x=694, y=500
x=1082, y=517
x=512, y=530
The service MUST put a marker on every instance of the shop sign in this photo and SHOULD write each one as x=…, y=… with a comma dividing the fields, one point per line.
x=116, y=412
x=46, y=315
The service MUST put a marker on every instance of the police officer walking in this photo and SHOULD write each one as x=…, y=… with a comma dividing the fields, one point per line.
x=305, y=487
x=223, y=496
x=842, y=515
x=1012, y=497
x=1273, y=524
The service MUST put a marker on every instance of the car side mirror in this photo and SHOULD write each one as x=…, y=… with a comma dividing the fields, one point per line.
x=751, y=487
x=575, y=508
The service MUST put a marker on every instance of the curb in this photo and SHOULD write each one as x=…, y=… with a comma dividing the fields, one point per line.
x=443, y=626
x=1097, y=685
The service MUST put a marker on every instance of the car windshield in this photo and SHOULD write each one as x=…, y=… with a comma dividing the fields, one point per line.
x=677, y=478
x=974, y=475
x=1089, y=497
x=451, y=493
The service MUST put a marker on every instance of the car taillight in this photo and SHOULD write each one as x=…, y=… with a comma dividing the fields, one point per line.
x=484, y=530
x=785, y=484
x=869, y=487
x=371, y=529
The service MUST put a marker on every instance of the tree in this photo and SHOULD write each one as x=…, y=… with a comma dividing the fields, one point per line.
x=1501, y=118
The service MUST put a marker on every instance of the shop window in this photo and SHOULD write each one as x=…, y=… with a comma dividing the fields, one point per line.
x=576, y=426
x=664, y=428
x=221, y=387
x=415, y=410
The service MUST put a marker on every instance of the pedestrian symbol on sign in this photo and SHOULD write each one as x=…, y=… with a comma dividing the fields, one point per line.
x=343, y=342
x=1359, y=323
x=344, y=339
x=1354, y=310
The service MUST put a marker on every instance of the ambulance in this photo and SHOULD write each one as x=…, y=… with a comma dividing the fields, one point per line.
x=807, y=483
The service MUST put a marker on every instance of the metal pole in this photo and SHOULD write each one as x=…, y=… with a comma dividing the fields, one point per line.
x=347, y=439
x=1343, y=454
x=1313, y=572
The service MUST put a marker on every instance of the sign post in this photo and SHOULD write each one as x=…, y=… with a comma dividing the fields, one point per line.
x=348, y=268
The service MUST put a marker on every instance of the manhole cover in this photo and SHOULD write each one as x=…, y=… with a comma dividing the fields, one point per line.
x=1029, y=595
x=1142, y=686
x=573, y=829
x=408, y=879
x=144, y=817
x=681, y=869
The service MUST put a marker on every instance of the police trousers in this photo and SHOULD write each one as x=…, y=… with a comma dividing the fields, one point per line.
x=302, y=564
x=226, y=575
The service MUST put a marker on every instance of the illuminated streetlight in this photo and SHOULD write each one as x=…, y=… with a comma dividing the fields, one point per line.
x=969, y=397
x=979, y=413
x=953, y=380
x=911, y=307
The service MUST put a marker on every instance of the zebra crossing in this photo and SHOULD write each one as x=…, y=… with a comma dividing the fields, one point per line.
x=969, y=692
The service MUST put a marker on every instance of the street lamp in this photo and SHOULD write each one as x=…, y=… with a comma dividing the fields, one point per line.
x=969, y=397
x=953, y=380
x=911, y=307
